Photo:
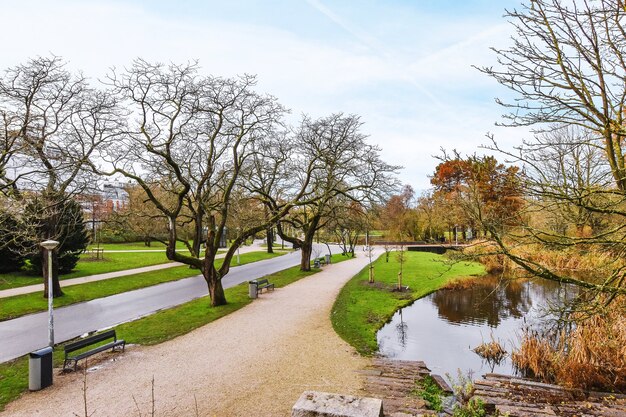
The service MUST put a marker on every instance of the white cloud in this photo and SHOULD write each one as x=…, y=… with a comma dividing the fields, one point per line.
x=412, y=101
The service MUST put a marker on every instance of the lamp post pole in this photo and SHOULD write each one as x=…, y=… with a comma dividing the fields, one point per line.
x=49, y=246
x=238, y=232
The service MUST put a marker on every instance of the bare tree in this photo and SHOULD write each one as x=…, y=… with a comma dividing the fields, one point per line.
x=192, y=138
x=348, y=221
x=53, y=125
x=346, y=166
x=566, y=66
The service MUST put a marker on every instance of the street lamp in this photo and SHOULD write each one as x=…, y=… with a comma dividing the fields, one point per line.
x=50, y=245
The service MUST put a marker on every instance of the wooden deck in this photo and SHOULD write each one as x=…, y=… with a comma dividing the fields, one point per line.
x=394, y=382
x=523, y=398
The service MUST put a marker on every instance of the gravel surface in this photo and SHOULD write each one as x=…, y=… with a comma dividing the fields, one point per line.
x=254, y=362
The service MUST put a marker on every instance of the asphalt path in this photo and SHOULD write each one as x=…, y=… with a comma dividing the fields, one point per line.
x=28, y=333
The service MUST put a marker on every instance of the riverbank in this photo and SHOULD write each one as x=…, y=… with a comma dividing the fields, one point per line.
x=361, y=308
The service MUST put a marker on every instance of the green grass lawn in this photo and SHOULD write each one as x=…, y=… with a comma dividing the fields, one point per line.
x=112, y=262
x=361, y=309
x=19, y=305
x=138, y=246
x=156, y=328
x=88, y=265
x=135, y=246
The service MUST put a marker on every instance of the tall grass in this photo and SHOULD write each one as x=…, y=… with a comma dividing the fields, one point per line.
x=591, y=356
x=579, y=260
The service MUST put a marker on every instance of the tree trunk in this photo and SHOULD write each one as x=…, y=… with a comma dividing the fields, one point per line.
x=270, y=240
x=198, y=233
x=305, y=259
x=56, y=285
x=216, y=291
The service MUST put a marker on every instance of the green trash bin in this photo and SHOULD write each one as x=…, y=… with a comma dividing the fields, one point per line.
x=40, y=369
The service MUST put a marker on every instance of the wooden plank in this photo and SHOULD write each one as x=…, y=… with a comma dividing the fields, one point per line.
x=442, y=383
x=520, y=411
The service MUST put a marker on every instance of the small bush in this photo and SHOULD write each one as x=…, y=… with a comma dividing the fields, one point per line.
x=427, y=389
x=473, y=408
x=463, y=387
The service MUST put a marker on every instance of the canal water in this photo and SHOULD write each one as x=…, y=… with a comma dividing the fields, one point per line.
x=443, y=328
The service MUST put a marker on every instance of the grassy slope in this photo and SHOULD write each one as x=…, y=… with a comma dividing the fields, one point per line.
x=156, y=328
x=361, y=309
x=19, y=305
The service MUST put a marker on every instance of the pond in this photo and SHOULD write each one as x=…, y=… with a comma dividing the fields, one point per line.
x=443, y=328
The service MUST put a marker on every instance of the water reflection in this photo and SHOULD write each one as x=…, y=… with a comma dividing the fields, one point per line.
x=488, y=302
x=443, y=328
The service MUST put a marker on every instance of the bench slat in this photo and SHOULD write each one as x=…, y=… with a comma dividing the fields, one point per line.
x=96, y=350
x=88, y=341
x=71, y=347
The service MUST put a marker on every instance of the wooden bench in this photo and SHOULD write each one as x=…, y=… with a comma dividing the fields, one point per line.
x=263, y=284
x=88, y=341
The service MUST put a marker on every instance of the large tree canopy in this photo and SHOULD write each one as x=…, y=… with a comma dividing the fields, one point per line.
x=187, y=144
x=346, y=168
x=487, y=192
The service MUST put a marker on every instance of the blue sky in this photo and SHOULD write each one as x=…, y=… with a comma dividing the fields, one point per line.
x=403, y=66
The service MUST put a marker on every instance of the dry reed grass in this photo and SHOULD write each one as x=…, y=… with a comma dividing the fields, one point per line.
x=491, y=351
x=462, y=283
x=578, y=259
x=591, y=356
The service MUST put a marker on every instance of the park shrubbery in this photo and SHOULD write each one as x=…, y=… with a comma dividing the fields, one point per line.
x=11, y=256
x=19, y=242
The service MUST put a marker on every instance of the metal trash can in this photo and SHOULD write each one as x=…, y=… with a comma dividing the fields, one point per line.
x=40, y=369
x=327, y=257
x=252, y=289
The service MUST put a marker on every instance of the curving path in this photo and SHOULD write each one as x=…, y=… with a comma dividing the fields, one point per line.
x=254, y=362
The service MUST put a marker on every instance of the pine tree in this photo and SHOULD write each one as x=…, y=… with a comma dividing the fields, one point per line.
x=11, y=253
x=63, y=223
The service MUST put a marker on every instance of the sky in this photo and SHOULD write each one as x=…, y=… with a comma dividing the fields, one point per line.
x=404, y=66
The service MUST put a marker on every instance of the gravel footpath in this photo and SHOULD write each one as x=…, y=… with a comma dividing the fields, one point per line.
x=254, y=362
